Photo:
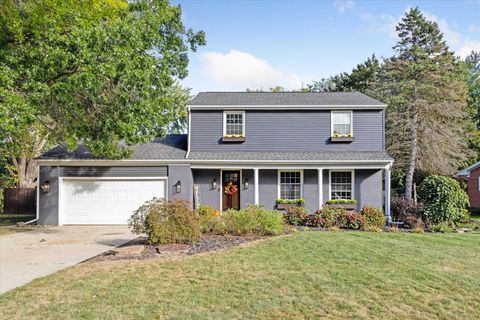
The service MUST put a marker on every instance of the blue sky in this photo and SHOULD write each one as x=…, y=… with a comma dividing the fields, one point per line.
x=259, y=44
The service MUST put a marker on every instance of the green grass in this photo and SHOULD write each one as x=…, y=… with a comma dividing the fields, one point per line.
x=356, y=275
x=8, y=222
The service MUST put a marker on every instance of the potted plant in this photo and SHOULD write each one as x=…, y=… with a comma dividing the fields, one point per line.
x=337, y=137
x=347, y=204
x=284, y=204
x=233, y=138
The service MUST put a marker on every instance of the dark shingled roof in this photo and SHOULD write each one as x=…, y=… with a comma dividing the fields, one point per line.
x=173, y=146
x=293, y=156
x=285, y=99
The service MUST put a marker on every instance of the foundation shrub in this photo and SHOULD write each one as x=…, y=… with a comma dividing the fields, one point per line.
x=166, y=222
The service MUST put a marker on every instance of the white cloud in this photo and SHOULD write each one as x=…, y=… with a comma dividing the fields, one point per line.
x=383, y=23
x=244, y=70
x=452, y=37
x=467, y=47
x=473, y=29
x=343, y=6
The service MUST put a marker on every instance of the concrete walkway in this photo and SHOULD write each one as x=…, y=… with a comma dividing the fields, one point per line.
x=29, y=255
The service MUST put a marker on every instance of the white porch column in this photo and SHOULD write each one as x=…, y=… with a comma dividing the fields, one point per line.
x=257, y=186
x=388, y=171
x=320, y=188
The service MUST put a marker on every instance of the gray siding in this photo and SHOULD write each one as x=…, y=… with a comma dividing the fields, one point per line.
x=182, y=173
x=286, y=130
x=369, y=188
x=310, y=189
x=113, y=172
x=268, y=191
x=203, y=179
x=247, y=196
x=48, y=202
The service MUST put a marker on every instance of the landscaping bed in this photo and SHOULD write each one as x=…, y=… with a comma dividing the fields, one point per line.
x=140, y=249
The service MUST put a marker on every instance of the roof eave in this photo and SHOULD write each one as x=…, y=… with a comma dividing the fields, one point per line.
x=285, y=107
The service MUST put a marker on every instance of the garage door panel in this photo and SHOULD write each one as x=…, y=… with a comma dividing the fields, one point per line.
x=106, y=201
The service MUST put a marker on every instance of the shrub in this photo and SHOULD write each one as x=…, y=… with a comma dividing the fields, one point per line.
x=328, y=217
x=444, y=199
x=209, y=218
x=166, y=222
x=355, y=221
x=253, y=219
x=444, y=227
x=406, y=211
x=374, y=217
x=418, y=230
x=296, y=216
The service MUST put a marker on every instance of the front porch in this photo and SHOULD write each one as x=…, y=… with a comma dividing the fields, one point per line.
x=263, y=185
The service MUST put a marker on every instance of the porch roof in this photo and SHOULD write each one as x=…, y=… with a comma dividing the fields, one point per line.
x=292, y=156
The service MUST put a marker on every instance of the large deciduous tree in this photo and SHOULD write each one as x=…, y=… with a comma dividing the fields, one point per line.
x=96, y=71
x=426, y=91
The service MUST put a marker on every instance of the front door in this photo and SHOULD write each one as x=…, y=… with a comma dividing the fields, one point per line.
x=231, y=190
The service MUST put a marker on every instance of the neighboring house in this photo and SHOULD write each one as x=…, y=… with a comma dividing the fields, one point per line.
x=315, y=146
x=472, y=175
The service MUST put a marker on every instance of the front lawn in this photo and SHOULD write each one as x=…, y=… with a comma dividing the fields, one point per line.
x=8, y=222
x=306, y=275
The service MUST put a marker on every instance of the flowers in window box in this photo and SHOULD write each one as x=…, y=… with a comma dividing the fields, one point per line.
x=300, y=201
x=342, y=201
x=339, y=135
x=233, y=136
x=230, y=189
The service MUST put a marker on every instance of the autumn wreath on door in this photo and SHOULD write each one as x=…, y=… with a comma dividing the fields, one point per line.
x=230, y=188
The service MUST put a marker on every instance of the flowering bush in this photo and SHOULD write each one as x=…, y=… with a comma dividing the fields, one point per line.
x=296, y=216
x=300, y=201
x=374, y=217
x=355, y=221
x=328, y=217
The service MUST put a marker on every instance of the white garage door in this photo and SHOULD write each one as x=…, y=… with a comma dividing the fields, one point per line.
x=105, y=201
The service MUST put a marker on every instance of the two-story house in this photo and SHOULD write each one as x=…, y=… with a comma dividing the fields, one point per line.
x=241, y=148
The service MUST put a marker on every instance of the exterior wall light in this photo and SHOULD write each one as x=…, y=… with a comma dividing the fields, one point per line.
x=214, y=184
x=178, y=187
x=245, y=183
x=45, y=186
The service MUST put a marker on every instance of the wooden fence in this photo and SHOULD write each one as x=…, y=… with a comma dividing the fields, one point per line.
x=19, y=200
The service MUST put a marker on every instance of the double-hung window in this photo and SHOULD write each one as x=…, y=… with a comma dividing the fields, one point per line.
x=341, y=185
x=342, y=123
x=290, y=184
x=234, y=124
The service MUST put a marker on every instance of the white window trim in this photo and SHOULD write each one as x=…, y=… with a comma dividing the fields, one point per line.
x=225, y=121
x=279, y=179
x=342, y=111
x=330, y=182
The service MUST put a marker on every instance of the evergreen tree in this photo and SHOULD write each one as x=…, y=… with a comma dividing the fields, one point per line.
x=425, y=88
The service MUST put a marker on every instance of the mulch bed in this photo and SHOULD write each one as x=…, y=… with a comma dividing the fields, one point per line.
x=205, y=244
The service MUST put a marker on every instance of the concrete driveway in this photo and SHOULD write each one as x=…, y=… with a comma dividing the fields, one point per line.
x=29, y=255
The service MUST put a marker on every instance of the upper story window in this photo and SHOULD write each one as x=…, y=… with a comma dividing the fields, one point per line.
x=234, y=124
x=342, y=124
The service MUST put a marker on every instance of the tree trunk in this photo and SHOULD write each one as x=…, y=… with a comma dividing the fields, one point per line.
x=413, y=157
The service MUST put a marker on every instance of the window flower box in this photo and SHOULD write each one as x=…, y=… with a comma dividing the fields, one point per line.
x=233, y=139
x=344, y=206
x=342, y=203
x=343, y=139
x=285, y=206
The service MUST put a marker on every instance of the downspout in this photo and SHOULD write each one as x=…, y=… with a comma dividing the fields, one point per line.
x=37, y=200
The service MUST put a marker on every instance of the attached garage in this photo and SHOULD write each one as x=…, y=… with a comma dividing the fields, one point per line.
x=106, y=200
